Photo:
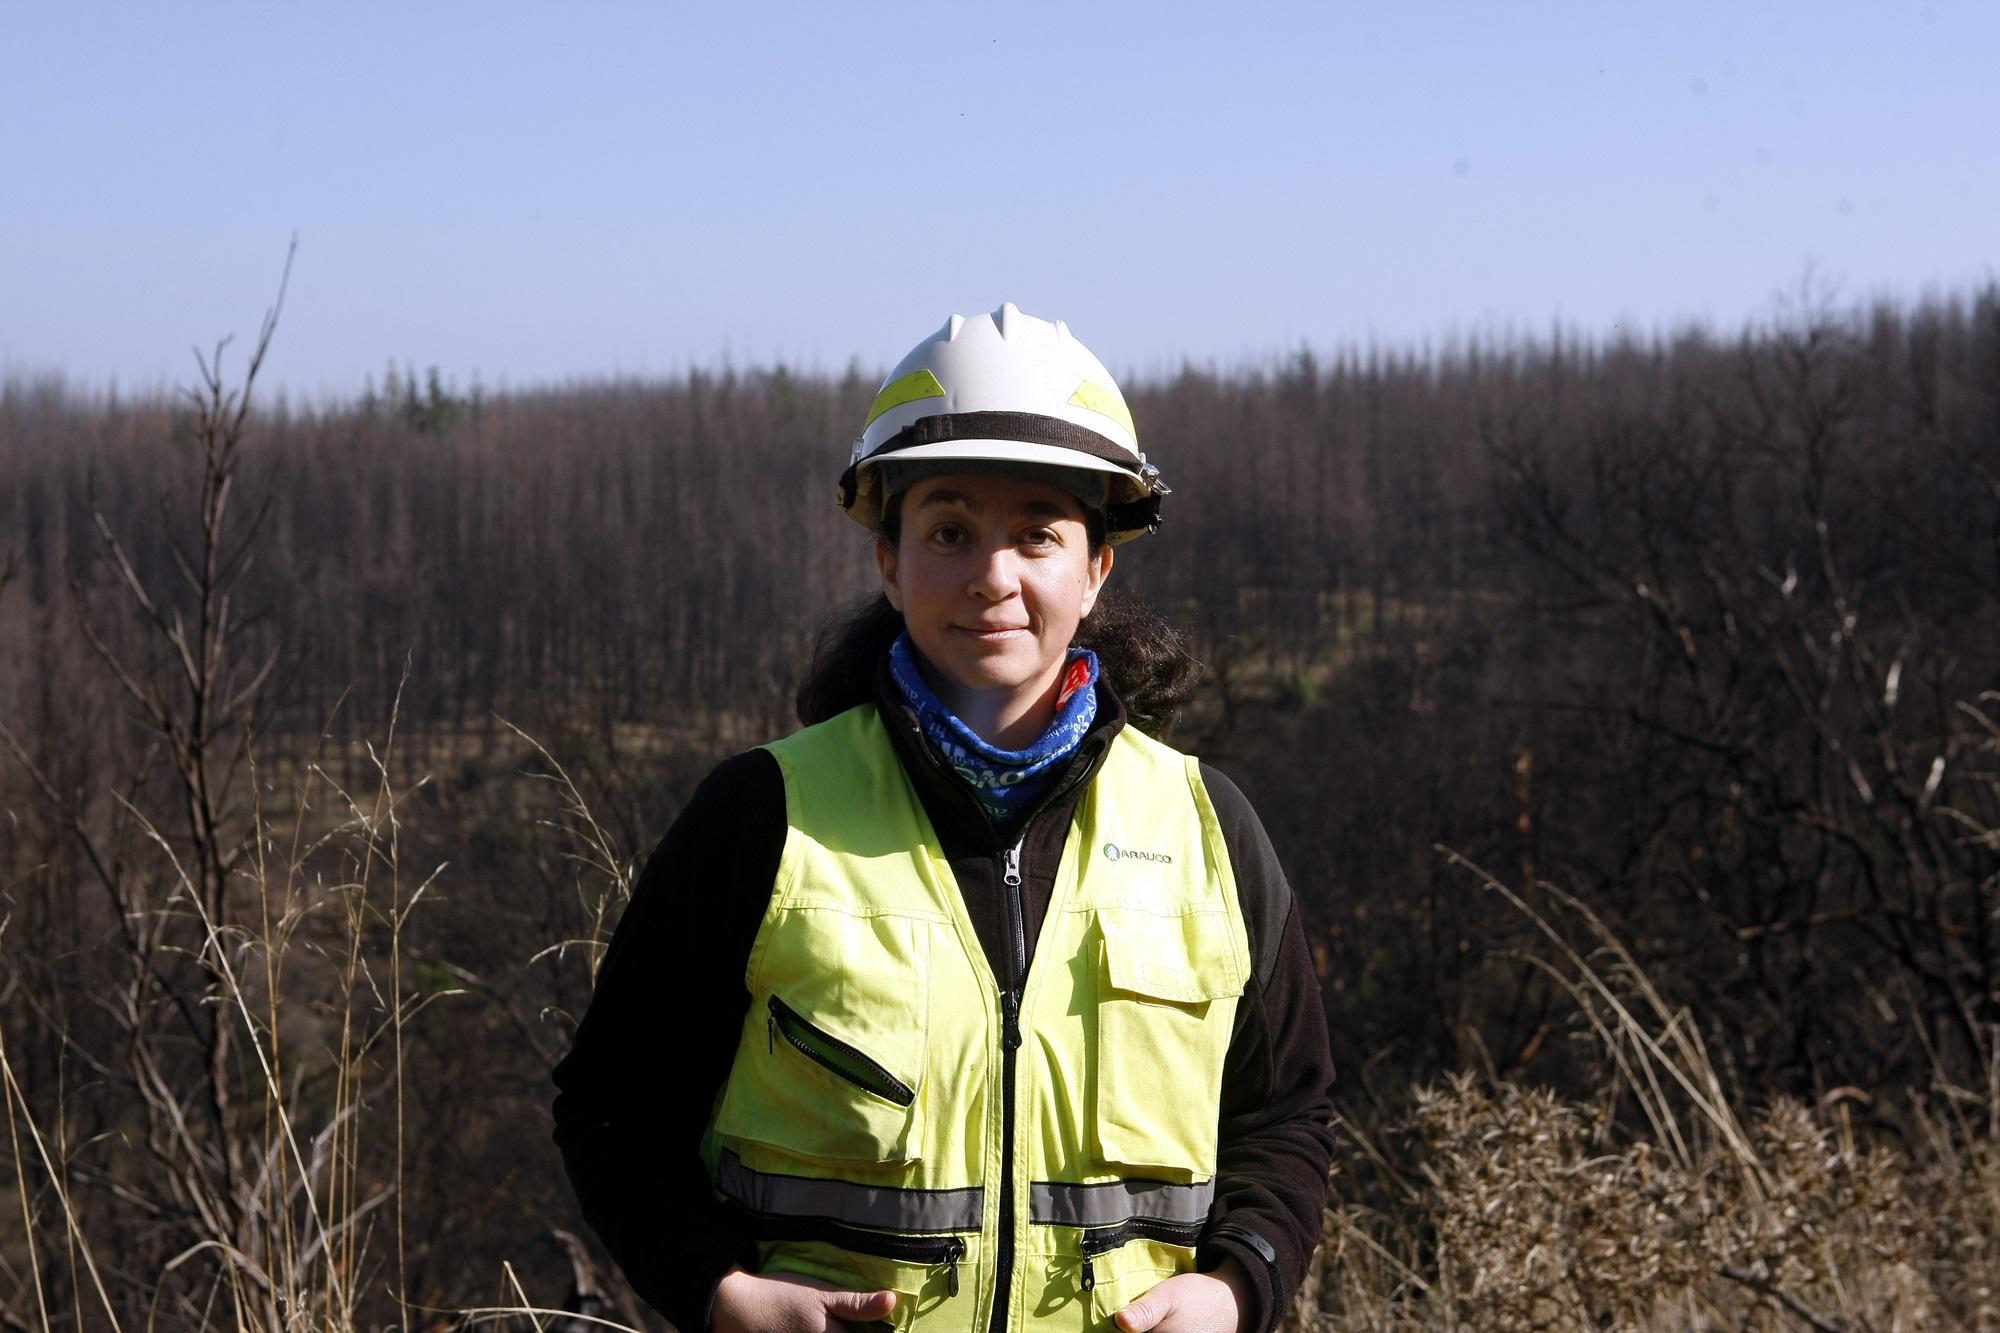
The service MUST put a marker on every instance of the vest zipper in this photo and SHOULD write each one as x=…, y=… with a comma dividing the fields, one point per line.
x=942, y=1252
x=1097, y=1240
x=1010, y=1004
x=1010, y=1042
x=833, y=1054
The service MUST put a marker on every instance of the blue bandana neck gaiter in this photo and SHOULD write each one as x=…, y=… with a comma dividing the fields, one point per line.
x=1007, y=782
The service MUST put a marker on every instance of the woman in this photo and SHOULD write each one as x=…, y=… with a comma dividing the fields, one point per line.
x=969, y=1006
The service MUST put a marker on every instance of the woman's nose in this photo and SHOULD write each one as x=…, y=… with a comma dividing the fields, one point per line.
x=997, y=576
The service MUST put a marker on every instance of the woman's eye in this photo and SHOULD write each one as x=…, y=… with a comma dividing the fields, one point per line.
x=948, y=534
x=1039, y=537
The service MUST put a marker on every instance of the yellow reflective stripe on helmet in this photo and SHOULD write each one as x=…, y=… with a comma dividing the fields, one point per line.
x=913, y=386
x=1102, y=398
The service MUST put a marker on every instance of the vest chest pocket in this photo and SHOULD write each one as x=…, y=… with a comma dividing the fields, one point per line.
x=1167, y=991
x=831, y=1063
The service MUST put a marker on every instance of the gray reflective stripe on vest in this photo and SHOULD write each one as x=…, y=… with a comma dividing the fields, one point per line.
x=844, y=1201
x=1055, y=1204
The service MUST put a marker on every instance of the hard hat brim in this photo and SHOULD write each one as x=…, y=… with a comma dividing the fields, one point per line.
x=1007, y=451
x=1126, y=487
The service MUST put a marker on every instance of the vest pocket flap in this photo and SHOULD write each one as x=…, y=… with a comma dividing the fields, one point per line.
x=1166, y=996
x=1184, y=959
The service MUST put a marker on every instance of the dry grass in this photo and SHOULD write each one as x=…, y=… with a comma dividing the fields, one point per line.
x=306, y=961
x=1660, y=1204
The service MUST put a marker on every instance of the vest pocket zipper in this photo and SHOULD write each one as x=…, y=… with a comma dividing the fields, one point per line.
x=837, y=1057
x=1099, y=1240
x=943, y=1252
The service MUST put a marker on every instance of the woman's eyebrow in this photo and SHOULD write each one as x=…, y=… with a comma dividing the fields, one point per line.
x=1027, y=508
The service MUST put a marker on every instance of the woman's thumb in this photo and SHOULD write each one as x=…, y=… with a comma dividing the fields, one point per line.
x=860, y=1305
x=1143, y=1313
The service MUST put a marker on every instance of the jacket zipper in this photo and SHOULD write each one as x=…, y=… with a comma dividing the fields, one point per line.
x=1017, y=927
x=1097, y=1240
x=941, y=1252
x=1010, y=1042
x=833, y=1054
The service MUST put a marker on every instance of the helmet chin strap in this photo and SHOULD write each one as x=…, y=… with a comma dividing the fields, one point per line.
x=1135, y=515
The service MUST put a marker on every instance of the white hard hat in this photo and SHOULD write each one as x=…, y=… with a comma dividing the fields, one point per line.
x=1005, y=388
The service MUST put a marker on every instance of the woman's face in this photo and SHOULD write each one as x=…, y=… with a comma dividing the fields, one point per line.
x=992, y=575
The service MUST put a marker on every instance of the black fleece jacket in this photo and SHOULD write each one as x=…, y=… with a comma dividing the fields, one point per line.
x=655, y=1046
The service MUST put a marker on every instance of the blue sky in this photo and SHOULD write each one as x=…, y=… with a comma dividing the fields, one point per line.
x=529, y=193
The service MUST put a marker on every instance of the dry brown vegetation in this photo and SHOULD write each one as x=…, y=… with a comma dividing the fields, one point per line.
x=1693, y=642
x=1656, y=1200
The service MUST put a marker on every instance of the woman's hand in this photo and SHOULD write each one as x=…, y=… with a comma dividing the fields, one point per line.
x=788, y=1303
x=1191, y=1303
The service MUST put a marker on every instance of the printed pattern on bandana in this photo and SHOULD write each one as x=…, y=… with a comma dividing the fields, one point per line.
x=1006, y=782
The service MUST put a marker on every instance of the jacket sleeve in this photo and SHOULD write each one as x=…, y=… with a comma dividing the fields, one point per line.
x=655, y=1046
x=1276, y=1140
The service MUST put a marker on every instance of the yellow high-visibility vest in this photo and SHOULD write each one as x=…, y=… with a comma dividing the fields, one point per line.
x=897, y=1117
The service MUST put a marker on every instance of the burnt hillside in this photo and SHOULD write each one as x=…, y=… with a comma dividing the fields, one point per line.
x=1704, y=632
